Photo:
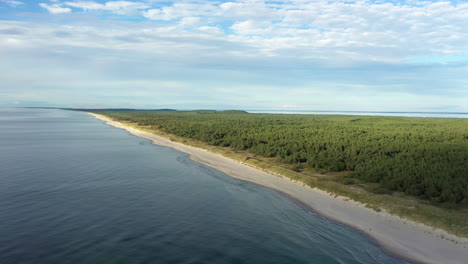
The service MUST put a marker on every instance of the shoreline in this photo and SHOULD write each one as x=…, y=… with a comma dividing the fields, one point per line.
x=405, y=239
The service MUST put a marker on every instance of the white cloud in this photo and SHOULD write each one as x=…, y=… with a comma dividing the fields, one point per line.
x=155, y=14
x=181, y=10
x=250, y=11
x=12, y=3
x=354, y=30
x=332, y=32
x=190, y=21
x=55, y=8
x=252, y=28
x=211, y=30
x=264, y=43
x=118, y=7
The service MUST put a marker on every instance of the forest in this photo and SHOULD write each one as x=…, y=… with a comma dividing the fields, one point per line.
x=423, y=157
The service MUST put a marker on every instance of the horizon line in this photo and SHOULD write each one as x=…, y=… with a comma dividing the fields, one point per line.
x=274, y=110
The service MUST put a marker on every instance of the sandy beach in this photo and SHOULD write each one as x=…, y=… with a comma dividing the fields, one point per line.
x=414, y=242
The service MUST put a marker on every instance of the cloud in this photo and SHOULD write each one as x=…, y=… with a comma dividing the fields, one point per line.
x=251, y=11
x=252, y=28
x=55, y=8
x=288, y=53
x=12, y=3
x=181, y=10
x=10, y=31
x=118, y=7
x=337, y=31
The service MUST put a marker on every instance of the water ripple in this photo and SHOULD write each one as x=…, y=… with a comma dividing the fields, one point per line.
x=73, y=190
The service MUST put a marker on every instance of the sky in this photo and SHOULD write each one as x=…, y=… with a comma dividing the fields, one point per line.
x=366, y=55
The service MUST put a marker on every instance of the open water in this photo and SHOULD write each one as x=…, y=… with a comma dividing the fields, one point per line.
x=75, y=190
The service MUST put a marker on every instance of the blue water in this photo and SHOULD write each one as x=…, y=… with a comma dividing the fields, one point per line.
x=366, y=113
x=75, y=190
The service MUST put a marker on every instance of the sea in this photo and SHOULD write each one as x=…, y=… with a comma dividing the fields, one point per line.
x=76, y=190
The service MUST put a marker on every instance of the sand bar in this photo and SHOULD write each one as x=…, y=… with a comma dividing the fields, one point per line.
x=414, y=242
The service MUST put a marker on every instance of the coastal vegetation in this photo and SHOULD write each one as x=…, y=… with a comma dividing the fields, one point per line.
x=376, y=159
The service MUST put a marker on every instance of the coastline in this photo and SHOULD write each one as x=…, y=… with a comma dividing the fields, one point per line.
x=411, y=241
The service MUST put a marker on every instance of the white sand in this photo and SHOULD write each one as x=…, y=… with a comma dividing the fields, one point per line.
x=411, y=241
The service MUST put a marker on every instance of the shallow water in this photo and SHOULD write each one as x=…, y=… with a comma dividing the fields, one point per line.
x=75, y=190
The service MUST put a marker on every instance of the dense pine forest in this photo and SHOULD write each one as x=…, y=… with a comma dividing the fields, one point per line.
x=423, y=157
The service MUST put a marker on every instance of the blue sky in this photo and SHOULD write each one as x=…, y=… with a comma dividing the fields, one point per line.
x=298, y=55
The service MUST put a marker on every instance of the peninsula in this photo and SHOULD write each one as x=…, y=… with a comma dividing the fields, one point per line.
x=410, y=236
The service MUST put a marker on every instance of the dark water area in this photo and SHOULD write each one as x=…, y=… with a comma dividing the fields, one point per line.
x=75, y=190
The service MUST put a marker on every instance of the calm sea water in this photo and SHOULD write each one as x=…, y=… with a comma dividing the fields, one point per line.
x=365, y=113
x=75, y=190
